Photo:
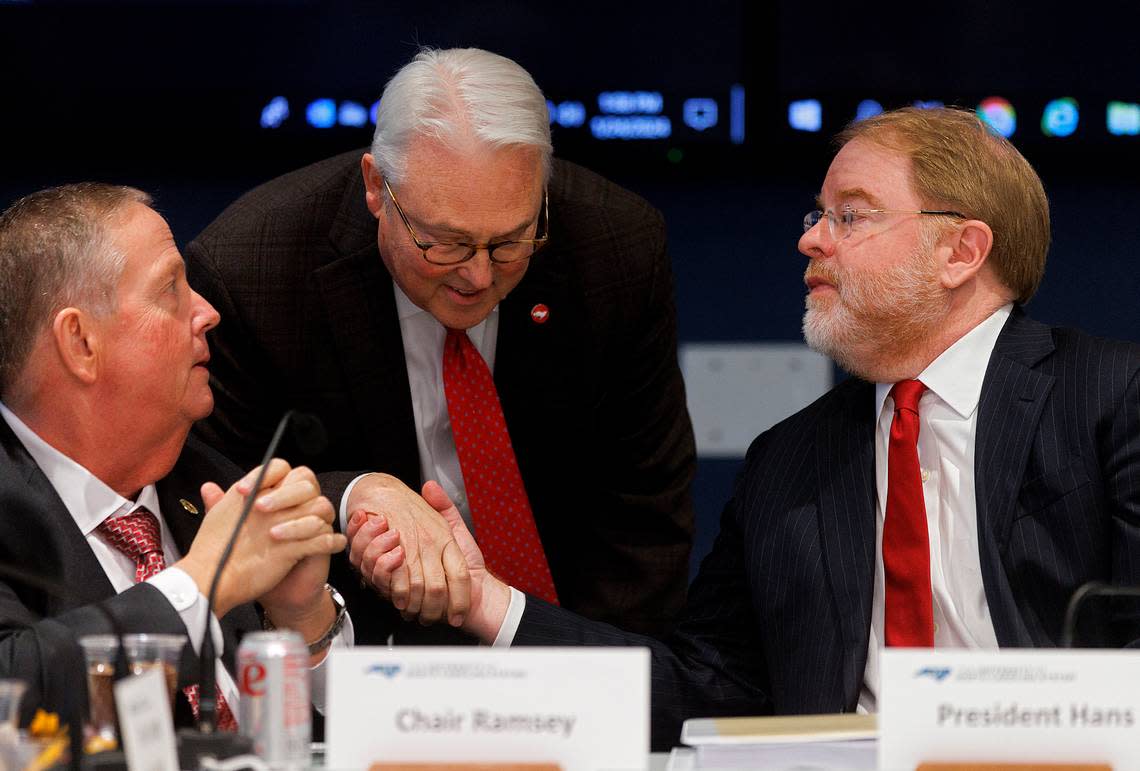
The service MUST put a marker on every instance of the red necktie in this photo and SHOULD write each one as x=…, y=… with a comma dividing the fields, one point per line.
x=906, y=545
x=500, y=510
x=137, y=536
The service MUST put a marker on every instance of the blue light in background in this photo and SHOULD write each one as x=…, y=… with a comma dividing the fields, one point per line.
x=352, y=114
x=1123, y=119
x=805, y=115
x=321, y=113
x=569, y=114
x=736, y=114
x=928, y=104
x=630, y=102
x=630, y=127
x=999, y=115
x=275, y=113
x=551, y=110
x=373, y=111
x=1060, y=117
x=868, y=108
x=699, y=113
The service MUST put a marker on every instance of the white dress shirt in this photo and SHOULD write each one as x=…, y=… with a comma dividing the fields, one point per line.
x=423, y=338
x=948, y=421
x=90, y=502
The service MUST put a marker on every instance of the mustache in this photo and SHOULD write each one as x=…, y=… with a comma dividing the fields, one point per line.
x=821, y=272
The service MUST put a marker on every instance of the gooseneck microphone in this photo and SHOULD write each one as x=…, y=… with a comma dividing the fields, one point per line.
x=309, y=435
x=1084, y=593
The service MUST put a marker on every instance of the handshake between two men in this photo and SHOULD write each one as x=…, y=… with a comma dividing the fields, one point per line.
x=418, y=553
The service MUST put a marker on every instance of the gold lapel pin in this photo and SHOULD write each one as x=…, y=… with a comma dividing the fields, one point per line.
x=190, y=507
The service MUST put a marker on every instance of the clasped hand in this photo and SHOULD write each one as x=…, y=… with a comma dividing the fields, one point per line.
x=281, y=555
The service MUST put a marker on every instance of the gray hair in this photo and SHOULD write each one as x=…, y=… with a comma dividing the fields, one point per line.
x=56, y=251
x=455, y=94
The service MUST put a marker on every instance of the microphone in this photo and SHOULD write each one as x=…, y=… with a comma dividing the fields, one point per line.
x=1084, y=593
x=310, y=436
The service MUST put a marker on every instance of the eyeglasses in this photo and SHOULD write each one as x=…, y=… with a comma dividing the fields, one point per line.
x=453, y=253
x=841, y=224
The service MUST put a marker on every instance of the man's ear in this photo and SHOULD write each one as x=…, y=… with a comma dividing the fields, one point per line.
x=969, y=247
x=373, y=185
x=77, y=343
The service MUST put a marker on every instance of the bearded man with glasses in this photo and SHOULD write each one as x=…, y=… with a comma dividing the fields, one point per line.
x=458, y=306
x=977, y=469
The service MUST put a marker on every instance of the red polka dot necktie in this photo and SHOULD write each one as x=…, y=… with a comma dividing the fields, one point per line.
x=909, y=616
x=137, y=536
x=500, y=509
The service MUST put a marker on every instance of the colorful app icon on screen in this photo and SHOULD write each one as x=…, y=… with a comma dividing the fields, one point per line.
x=1060, y=117
x=999, y=115
x=1123, y=119
x=805, y=115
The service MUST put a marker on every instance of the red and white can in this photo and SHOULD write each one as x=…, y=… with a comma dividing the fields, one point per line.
x=273, y=677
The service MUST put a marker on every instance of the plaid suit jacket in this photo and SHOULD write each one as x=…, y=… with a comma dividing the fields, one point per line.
x=593, y=398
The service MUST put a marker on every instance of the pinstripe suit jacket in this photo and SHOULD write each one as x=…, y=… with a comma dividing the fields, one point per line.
x=779, y=616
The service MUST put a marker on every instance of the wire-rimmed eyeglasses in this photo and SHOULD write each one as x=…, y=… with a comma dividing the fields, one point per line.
x=453, y=253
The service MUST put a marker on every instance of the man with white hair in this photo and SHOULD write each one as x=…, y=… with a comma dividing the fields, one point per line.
x=381, y=293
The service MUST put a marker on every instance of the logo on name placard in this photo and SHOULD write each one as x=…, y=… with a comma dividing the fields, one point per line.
x=937, y=674
x=387, y=670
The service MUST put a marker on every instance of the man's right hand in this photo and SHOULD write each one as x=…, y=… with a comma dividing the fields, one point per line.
x=376, y=552
x=290, y=521
x=431, y=578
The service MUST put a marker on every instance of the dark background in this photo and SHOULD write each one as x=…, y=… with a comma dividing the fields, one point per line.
x=167, y=96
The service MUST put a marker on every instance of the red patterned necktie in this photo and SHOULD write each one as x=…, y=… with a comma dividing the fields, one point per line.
x=909, y=616
x=500, y=509
x=137, y=536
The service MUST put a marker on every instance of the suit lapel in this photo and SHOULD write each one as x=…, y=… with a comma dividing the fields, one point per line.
x=52, y=534
x=358, y=297
x=845, y=457
x=1013, y=396
x=530, y=355
x=182, y=510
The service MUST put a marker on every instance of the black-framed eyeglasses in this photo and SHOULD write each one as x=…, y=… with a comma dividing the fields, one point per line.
x=841, y=224
x=453, y=253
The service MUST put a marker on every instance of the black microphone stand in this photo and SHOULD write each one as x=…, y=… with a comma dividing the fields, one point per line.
x=206, y=741
x=1081, y=596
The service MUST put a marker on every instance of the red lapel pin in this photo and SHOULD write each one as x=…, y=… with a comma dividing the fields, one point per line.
x=539, y=314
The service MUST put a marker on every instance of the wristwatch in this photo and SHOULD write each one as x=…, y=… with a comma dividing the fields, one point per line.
x=330, y=634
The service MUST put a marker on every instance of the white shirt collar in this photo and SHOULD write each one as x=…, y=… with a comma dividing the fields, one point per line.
x=87, y=498
x=956, y=375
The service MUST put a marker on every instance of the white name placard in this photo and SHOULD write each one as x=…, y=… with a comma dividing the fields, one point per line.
x=144, y=722
x=1028, y=706
x=584, y=708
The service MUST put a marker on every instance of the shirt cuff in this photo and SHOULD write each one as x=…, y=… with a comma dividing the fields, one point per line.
x=344, y=503
x=511, y=621
x=318, y=682
x=182, y=593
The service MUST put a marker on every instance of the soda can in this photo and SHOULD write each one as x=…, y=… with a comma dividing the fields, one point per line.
x=273, y=678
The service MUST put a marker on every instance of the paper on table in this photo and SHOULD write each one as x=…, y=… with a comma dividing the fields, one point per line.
x=844, y=741
x=778, y=729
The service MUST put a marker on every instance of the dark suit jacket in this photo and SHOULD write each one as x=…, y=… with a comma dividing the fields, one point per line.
x=593, y=398
x=779, y=616
x=39, y=631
